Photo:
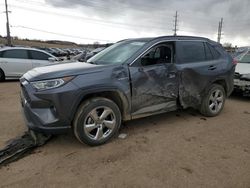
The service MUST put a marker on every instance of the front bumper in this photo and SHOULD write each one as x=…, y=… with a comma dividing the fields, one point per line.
x=47, y=112
x=35, y=123
x=242, y=86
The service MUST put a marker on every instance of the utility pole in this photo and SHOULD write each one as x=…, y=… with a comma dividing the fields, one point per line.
x=7, y=24
x=218, y=38
x=220, y=30
x=175, y=23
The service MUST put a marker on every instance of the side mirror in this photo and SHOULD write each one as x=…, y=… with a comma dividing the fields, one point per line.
x=52, y=59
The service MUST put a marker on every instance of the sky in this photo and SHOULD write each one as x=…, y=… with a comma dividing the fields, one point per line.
x=89, y=21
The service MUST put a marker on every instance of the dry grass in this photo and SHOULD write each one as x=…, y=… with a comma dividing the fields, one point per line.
x=36, y=43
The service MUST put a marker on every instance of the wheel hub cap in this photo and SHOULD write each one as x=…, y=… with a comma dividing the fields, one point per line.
x=216, y=101
x=99, y=123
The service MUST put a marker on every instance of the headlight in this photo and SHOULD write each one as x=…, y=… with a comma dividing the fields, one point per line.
x=51, y=84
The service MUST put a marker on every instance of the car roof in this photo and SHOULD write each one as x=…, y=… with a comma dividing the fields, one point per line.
x=24, y=48
x=175, y=38
x=19, y=48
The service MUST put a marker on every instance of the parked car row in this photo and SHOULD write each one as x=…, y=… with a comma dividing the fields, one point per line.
x=85, y=55
x=59, y=52
x=15, y=61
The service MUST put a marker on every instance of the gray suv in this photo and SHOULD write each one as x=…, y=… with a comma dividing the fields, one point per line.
x=131, y=79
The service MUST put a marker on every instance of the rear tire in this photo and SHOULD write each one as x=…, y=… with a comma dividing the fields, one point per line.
x=97, y=121
x=2, y=75
x=213, y=102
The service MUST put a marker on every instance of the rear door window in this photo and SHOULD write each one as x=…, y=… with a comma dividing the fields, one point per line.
x=36, y=55
x=190, y=51
x=15, y=54
x=215, y=53
x=209, y=55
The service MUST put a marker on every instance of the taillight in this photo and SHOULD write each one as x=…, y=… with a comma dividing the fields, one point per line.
x=234, y=62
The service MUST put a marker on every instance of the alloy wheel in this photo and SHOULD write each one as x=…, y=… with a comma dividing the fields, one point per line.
x=99, y=123
x=216, y=100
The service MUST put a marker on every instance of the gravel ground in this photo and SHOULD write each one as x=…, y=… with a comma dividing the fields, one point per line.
x=178, y=149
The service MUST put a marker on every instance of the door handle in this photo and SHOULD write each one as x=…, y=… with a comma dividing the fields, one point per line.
x=171, y=74
x=212, y=67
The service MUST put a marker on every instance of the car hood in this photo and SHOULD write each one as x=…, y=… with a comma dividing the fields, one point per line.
x=61, y=70
x=243, y=68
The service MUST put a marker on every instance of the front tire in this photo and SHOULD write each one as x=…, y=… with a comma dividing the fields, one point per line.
x=97, y=121
x=213, y=102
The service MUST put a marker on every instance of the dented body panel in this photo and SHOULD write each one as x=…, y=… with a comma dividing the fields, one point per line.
x=154, y=89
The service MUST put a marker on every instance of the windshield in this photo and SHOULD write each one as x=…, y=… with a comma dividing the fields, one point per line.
x=244, y=58
x=117, y=53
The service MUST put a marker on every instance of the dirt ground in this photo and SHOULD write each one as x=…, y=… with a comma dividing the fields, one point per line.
x=179, y=149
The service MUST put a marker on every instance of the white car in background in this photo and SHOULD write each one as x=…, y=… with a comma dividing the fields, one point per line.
x=15, y=61
x=242, y=72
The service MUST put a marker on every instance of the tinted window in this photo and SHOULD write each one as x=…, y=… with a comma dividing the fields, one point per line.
x=189, y=51
x=157, y=55
x=17, y=54
x=38, y=55
x=214, y=52
x=209, y=55
x=1, y=54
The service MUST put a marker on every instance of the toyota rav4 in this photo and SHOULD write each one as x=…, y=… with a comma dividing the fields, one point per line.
x=131, y=79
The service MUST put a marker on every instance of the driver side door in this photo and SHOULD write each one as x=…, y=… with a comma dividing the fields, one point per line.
x=154, y=81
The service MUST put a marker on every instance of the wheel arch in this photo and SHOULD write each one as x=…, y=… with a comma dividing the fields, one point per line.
x=223, y=83
x=113, y=94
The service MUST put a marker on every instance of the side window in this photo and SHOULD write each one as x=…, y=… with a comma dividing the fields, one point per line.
x=158, y=55
x=209, y=55
x=16, y=54
x=214, y=52
x=190, y=51
x=1, y=54
x=38, y=55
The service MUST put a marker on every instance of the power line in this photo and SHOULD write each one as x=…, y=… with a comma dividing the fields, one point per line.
x=103, y=22
x=101, y=6
x=61, y=34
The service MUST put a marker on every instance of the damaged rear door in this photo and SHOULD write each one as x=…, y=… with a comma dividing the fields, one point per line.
x=199, y=65
x=154, y=81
